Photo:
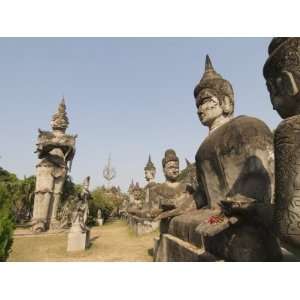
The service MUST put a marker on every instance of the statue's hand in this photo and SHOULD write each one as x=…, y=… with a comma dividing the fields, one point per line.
x=238, y=204
x=226, y=207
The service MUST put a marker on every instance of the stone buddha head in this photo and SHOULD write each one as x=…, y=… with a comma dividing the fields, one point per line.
x=150, y=170
x=214, y=98
x=170, y=165
x=282, y=74
x=137, y=192
x=60, y=120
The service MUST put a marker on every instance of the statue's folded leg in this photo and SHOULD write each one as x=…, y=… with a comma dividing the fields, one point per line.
x=243, y=242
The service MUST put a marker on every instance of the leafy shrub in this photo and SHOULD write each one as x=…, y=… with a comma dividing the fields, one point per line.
x=6, y=222
x=100, y=200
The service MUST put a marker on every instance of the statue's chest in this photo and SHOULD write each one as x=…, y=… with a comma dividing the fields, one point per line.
x=224, y=162
x=287, y=160
x=216, y=172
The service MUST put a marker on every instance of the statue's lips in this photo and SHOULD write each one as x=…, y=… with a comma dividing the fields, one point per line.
x=201, y=117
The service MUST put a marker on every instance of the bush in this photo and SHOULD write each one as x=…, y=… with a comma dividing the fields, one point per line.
x=22, y=195
x=100, y=200
x=70, y=190
x=6, y=222
x=68, y=202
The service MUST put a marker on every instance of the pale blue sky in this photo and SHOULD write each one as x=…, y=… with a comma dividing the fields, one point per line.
x=125, y=96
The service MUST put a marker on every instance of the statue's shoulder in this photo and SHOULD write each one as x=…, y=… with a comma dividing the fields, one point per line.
x=291, y=122
x=247, y=122
x=240, y=134
x=287, y=132
x=165, y=191
x=160, y=188
x=151, y=185
x=246, y=128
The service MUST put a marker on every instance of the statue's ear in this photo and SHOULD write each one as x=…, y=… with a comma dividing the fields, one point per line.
x=227, y=105
x=289, y=83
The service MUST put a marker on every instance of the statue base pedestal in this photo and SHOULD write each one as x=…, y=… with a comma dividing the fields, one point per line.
x=54, y=225
x=169, y=248
x=100, y=222
x=142, y=226
x=38, y=227
x=78, y=241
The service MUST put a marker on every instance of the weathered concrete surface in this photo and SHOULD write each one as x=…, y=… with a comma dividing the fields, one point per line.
x=172, y=249
x=78, y=241
x=142, y=226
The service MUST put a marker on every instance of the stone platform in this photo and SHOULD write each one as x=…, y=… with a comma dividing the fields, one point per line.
x=27, y=232
x=141, y=226
x=169, y=248
x=78, y=241
x=100, y=222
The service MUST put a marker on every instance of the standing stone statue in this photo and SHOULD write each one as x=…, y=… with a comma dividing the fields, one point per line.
x=234, y=167
x=99, y=217
x=282, y=74
x=56, y=151
x=78, y=238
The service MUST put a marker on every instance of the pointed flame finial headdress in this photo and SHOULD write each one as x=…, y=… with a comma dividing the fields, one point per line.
x=60, y=119
x=214, y=81
x=150, y=166
x=170, y=155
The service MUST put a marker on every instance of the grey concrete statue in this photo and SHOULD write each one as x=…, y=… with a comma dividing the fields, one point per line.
x=141, y=214
x=130, y=192
x=173, y=196
x=137, y=199
x=150, y=171
x=234, y=168
x=99, y=217
x=282, y=73
x=150, y=194
x=81, y=212
x=56, y=151
x=78, y=238
x=99, y=214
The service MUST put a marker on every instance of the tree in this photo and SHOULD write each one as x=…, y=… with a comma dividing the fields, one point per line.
x=7, y=224
x=22, y=195
x=100, y=200
x=68, y=201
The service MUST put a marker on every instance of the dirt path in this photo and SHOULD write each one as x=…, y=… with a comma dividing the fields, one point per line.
x=111, y=242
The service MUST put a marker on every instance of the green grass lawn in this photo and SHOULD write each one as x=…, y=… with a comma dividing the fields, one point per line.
x=113, y=242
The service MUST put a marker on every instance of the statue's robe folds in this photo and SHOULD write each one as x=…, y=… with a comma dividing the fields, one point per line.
x=287, y=181
x=234, y=162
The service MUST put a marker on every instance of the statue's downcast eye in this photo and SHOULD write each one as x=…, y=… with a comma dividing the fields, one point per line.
x=271, y=87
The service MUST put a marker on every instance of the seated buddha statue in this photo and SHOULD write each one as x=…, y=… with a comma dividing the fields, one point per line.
x=135, y=206
x=150, y=206
x=282, y=74
x=234, y=168
x=173, y=197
